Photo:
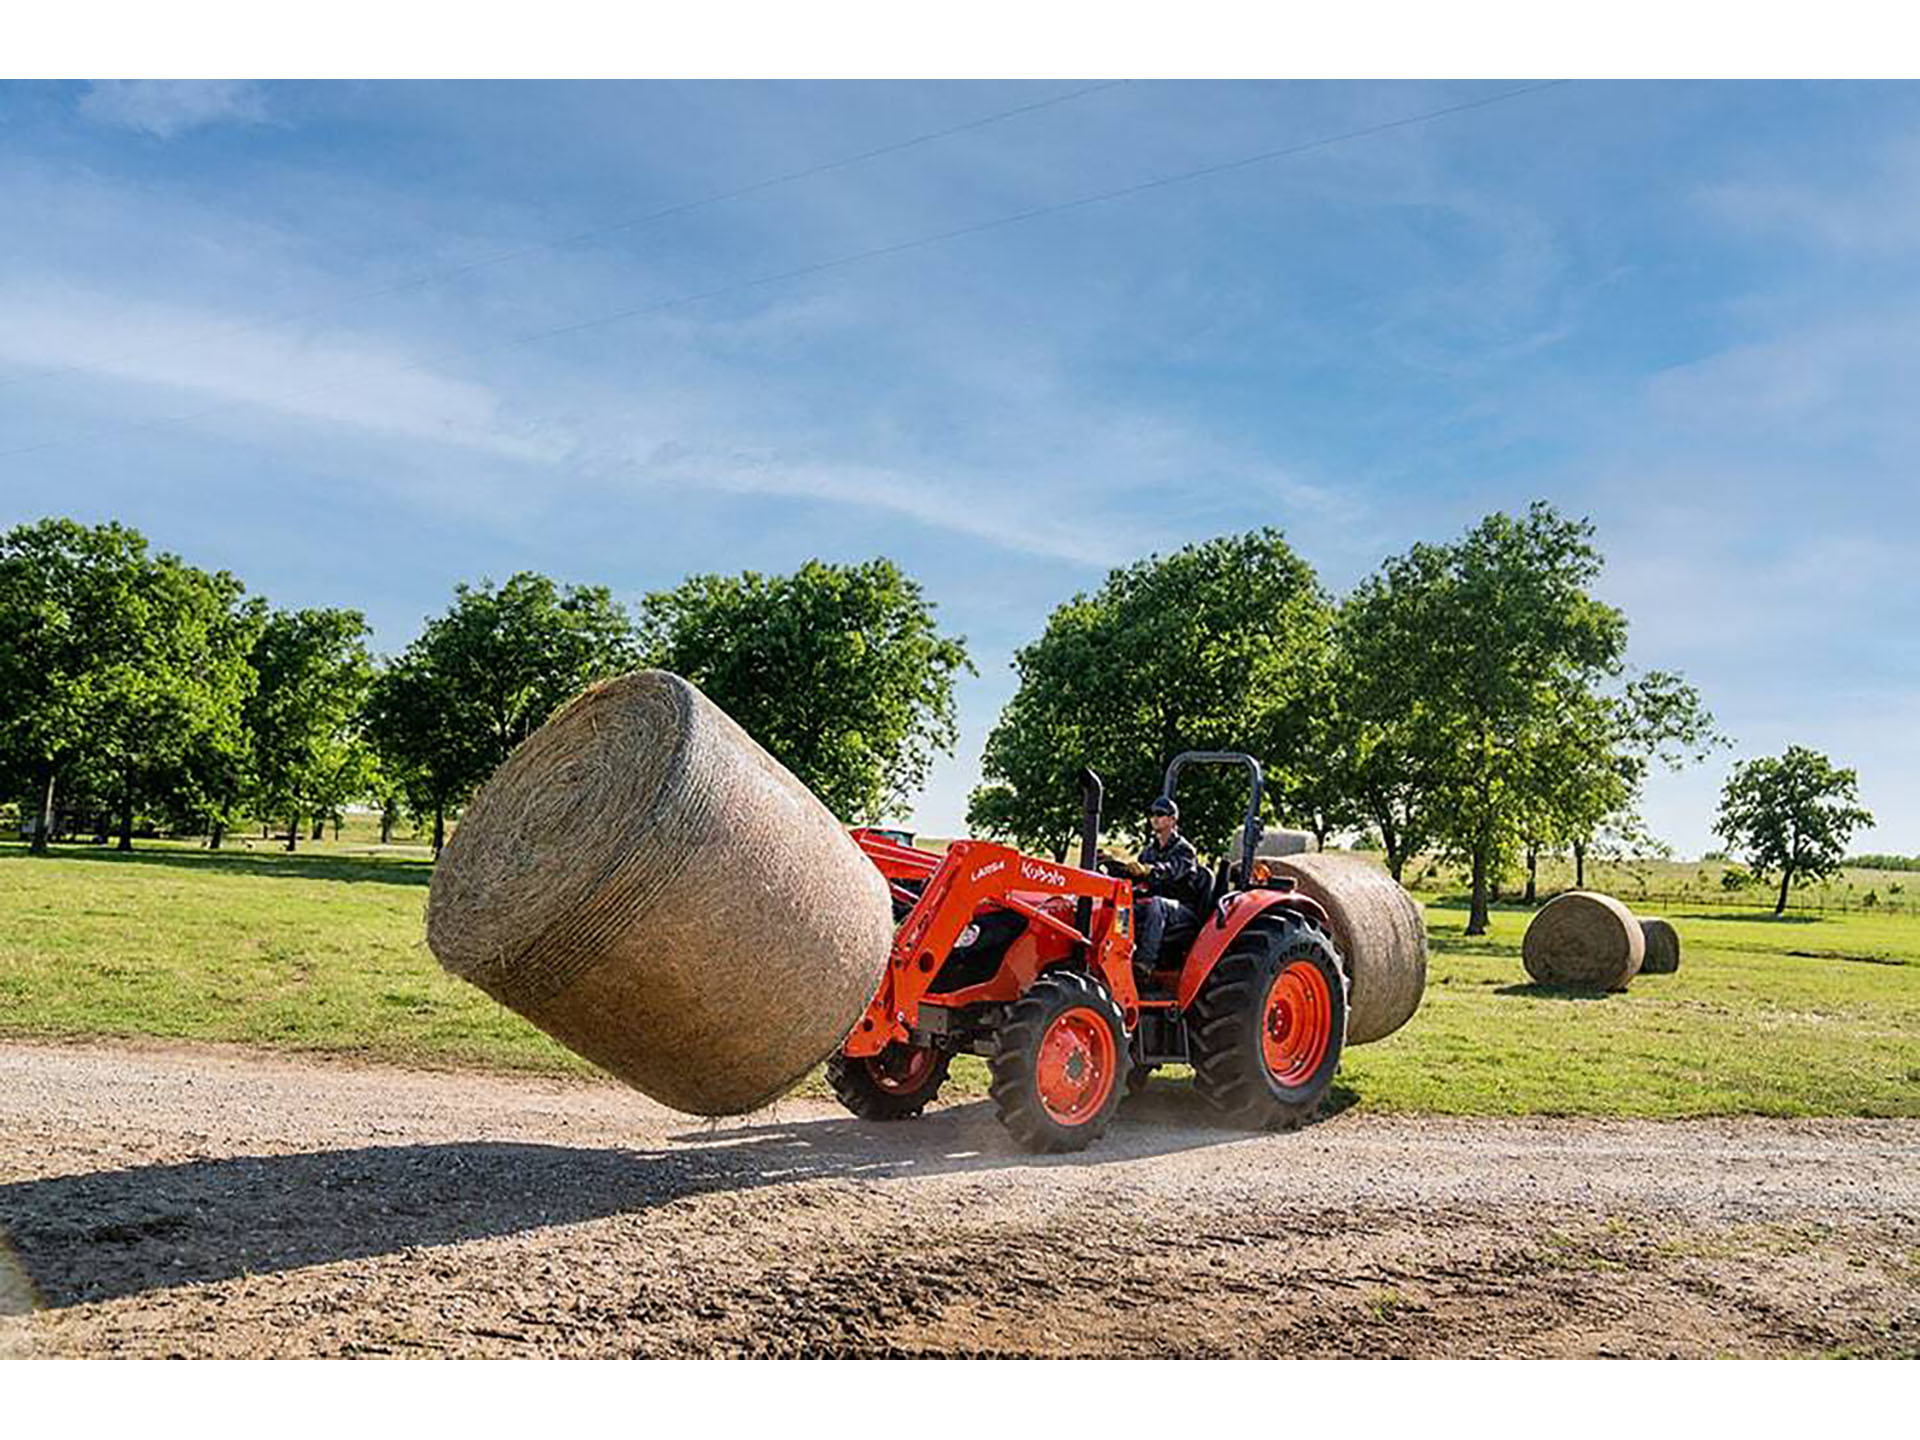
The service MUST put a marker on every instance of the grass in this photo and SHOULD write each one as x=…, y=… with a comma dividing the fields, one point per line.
x=323, y=951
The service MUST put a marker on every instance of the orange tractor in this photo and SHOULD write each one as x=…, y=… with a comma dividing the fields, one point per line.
x=1030, y=963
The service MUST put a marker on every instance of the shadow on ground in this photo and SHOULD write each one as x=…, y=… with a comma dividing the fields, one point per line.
x=1554, y=992
x=1752, y=917
x=269, y=865
x=93, y=1237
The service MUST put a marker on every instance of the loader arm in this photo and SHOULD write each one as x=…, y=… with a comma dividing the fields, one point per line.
x=977, y=876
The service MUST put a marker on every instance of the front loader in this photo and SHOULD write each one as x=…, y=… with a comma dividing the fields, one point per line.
x=1029, y=963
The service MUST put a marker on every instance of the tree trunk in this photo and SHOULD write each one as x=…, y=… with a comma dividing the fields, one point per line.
x=215, y=834
x=320, y=827
x=126, y=821
x=1786, y=878
x=1320, y=837
x=1533, y=872
x=44, y=834
x=439, y=829
x=1579, y=865
x=293, y=833
x=386, y=824
x=1477, y=919
x=336, y=827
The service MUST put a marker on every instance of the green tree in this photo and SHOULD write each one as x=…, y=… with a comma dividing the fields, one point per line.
x=424, y=747
x=485, y=675
x=306, y=715
x=170, y=699
x=1209, y=648
x=1495, y=636
x=838, y=670
x=67, y=612
x=1379, y=748
x=512, y=655
x=1792, y=815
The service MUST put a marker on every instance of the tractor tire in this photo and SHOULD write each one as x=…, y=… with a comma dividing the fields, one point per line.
x=896, y=1084
x=1059, y=1064
x=1268, y=1026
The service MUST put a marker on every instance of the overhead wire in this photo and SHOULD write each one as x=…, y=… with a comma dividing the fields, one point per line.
x=105, y=366
x=778, y=277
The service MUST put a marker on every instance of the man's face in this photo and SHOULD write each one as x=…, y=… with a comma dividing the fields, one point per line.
x=1163, y=826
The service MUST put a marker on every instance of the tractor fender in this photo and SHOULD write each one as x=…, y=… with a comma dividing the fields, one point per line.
x=1236, y=913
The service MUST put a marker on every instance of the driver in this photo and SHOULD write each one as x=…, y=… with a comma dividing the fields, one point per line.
x=1167, y=878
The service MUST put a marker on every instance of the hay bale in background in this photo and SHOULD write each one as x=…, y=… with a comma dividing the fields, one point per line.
x=1662, y=947
x=1583, y=940
x=1273, y=843
x=1378, y=927
x=651, y=888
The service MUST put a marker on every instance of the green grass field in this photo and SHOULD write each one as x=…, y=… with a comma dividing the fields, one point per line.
x=323, y=951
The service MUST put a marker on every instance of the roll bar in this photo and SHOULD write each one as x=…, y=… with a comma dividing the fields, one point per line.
x=1254, y=829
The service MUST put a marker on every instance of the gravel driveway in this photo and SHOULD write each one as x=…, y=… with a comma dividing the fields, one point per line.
x=211, y=1201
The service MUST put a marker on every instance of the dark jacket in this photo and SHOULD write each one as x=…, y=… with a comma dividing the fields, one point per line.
x=1175, y=870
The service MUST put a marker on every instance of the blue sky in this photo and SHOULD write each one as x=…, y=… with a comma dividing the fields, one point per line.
x=269, y=326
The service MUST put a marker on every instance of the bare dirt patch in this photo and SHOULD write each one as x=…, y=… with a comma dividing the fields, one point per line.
x=181, y=1201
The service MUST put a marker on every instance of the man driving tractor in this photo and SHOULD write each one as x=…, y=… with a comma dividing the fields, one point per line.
x=1170, y=883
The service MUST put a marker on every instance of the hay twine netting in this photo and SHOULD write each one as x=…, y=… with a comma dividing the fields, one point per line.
x=647, y=885
x=1583, y=940
x=1380, y=930
x=1662, y=946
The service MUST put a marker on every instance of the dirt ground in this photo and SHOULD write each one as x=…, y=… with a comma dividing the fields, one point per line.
x=172, y=1201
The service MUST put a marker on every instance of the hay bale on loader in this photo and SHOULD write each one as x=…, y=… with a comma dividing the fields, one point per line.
x=1378, y=927
x=1583, y=940
x=1662, y=946
x=647, y=885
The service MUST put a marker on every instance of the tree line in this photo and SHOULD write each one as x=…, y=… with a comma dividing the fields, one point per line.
x=136, y=687
x=1470, y=700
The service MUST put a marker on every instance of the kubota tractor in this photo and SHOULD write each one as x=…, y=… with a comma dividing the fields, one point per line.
x=1030, y=964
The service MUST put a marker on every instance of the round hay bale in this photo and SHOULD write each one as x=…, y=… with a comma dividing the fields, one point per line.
x=1583, y=940
x=1273, y=843
x=1662, y=947
x=1378, y=927
x=652, y=889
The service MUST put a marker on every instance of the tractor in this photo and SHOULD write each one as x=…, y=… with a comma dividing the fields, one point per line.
x=1029, y=963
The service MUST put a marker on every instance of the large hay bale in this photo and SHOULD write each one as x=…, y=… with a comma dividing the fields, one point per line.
x=651, y=888
x=1378, y=927
x=1662, y=946
x=1583, y=940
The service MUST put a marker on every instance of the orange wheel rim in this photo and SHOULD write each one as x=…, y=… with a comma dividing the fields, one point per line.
x=1075, y=1072
x=898, y=1072
x=1296, y=1025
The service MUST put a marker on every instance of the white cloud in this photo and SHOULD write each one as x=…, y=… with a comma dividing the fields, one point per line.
x=166, y=108
x=202, y=366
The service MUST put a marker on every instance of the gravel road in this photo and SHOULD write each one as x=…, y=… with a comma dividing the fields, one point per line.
x=212, y=1201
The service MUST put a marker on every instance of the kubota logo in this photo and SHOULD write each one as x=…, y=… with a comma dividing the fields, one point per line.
x=986, y=870
x=1041, y=873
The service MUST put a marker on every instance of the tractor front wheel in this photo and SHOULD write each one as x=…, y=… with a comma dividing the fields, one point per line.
x=896, y=1084
x=1267, y=1028
x=1059, y=1063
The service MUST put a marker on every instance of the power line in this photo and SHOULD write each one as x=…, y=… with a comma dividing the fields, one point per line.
x=579, y=237
x=837, y=262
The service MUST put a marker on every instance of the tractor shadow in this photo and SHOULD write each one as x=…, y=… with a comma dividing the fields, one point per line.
x=82, y=1239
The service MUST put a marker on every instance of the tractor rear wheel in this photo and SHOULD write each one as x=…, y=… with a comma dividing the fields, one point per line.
x=896, y=1084
x=1059, y=1063
x=1267, y=1028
